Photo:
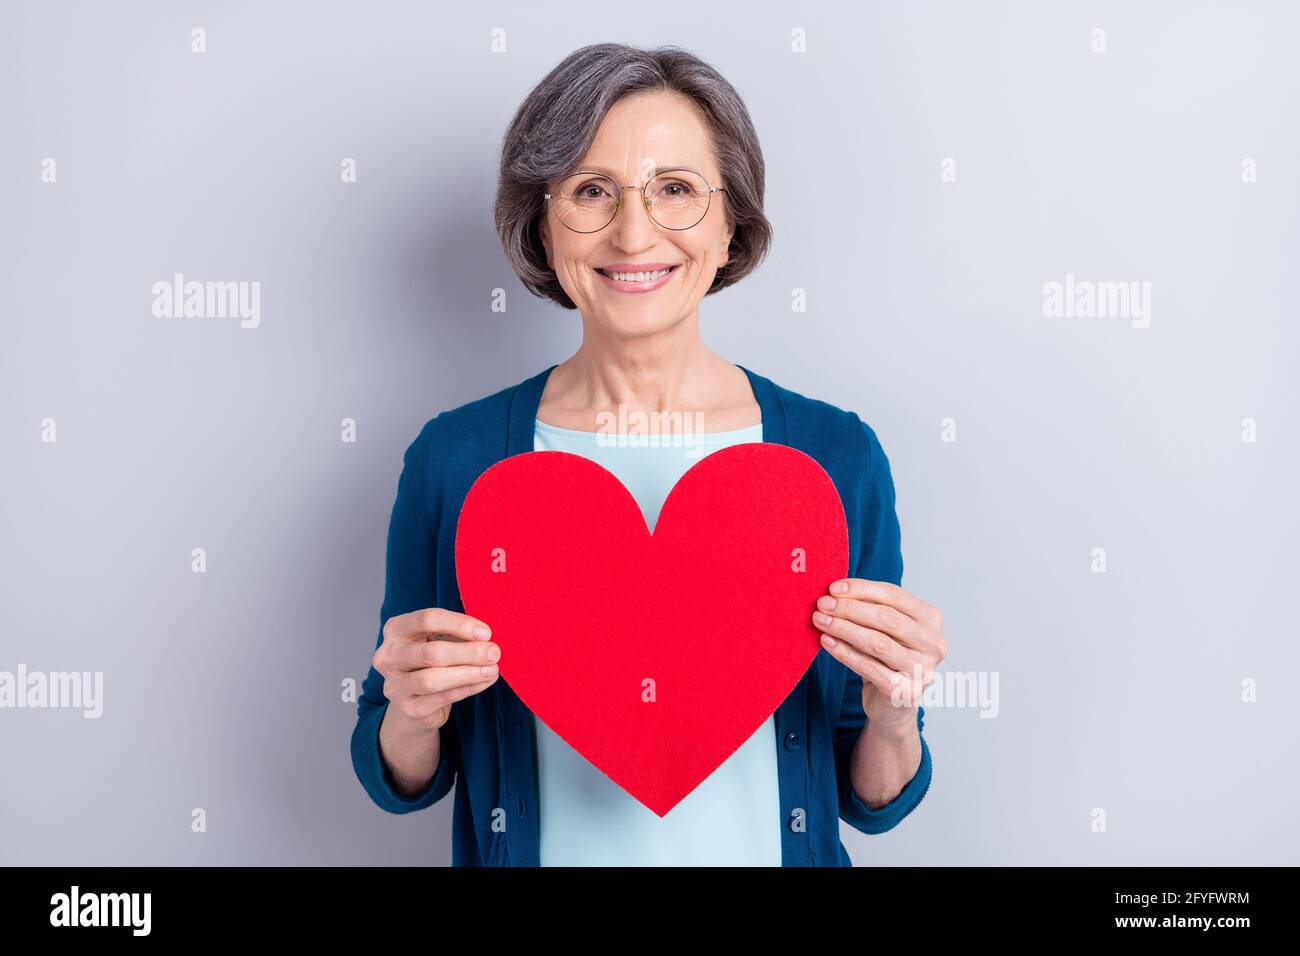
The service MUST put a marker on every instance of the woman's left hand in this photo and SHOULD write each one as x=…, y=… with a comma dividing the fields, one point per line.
x=891, y=638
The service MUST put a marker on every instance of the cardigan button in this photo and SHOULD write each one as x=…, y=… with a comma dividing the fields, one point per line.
x=793, y=741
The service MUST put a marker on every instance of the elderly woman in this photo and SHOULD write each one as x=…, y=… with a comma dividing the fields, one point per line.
x=631, y=187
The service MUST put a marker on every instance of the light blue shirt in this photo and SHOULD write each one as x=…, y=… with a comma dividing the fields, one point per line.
x=733, y=818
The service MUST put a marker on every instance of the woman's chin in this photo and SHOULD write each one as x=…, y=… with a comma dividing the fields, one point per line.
x=619, y=315
x=633, y=322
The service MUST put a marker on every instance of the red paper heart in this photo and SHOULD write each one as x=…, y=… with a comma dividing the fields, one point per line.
x=553, y=553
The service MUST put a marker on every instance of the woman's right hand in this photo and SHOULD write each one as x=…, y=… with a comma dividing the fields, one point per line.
x=432, y=658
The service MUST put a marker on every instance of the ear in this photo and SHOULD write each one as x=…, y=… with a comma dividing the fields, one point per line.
x=726, y=241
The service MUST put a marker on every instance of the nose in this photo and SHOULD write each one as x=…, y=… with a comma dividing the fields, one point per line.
x=626, y=220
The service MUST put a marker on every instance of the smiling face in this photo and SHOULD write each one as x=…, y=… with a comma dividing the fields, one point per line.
x=643, y=132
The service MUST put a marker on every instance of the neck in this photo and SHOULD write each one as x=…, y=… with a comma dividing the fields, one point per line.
x=672, y=371
x=669, y=371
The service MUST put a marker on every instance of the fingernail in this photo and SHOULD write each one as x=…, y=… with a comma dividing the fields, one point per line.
x=839, y=587
x=822, y=619
x=493, y=653
x=826, y=603
x=828, y=640
x=480, y=631
x=487, y=670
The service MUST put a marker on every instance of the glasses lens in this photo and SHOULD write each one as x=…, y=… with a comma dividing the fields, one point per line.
x=678, y=199
x=585, y=202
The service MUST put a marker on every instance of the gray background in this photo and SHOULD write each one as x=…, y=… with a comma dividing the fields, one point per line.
x=1118, y=691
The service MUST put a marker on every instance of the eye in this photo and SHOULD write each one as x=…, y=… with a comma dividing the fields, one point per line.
x=591, y=190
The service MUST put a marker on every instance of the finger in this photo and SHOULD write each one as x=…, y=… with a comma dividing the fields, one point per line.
x=435, y=621
x=443, y=653
x=877, y=644
x=436, y=680
x=883, y=678
x=884, y=592
x=466, y=690
x=903, y=690
x=425, y=704
x=879, y=617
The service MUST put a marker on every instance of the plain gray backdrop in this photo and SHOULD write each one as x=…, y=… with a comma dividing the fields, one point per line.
x=1170, y=157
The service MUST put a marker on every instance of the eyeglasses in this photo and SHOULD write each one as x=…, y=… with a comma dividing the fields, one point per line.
x=675, y=199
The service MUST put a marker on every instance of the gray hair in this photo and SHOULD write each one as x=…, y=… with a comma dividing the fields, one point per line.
x=556, y=124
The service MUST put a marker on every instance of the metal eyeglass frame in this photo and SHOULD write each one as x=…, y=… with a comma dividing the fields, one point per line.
x=645, y=201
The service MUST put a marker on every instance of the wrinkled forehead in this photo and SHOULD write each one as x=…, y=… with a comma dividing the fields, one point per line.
x=644, y=134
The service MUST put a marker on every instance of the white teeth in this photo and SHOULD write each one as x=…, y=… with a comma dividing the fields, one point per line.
x=636, y=276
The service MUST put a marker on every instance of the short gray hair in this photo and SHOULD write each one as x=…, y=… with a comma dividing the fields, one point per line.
x=556, y=124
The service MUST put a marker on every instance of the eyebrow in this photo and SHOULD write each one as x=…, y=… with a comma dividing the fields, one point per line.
x=658, y=170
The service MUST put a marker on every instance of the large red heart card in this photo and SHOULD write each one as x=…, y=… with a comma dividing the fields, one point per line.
x=653, y=656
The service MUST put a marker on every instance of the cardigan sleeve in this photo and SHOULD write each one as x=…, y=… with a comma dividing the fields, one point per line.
x=408, y=586
x=880, y=558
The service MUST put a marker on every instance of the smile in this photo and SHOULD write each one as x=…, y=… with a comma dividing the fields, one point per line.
x=637, y=281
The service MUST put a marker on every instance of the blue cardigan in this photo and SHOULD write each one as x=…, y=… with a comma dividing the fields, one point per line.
x=489, y=742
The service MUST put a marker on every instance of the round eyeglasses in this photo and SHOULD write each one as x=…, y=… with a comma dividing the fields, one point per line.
x=675, y=199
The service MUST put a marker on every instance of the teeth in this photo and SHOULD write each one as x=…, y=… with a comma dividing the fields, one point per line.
x=636, y=276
